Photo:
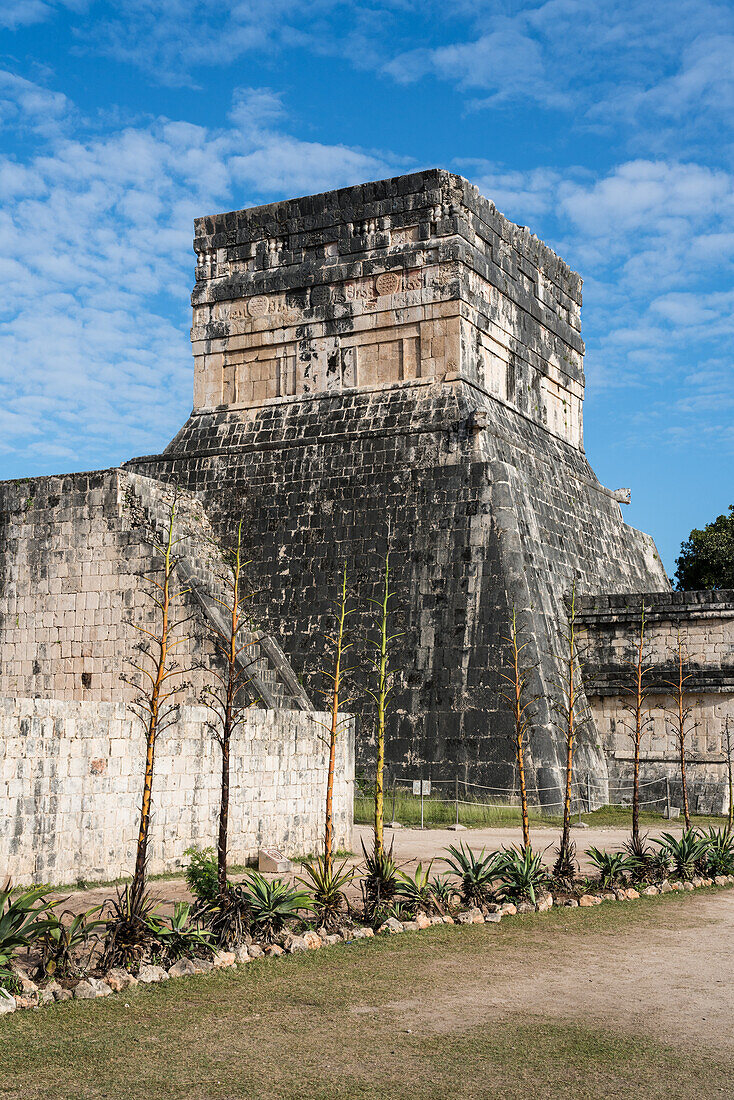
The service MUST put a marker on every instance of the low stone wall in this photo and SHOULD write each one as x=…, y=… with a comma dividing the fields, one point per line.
x=71, y=777
x=704, y=621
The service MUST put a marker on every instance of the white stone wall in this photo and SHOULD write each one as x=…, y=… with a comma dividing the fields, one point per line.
x=704, y=621
x=71, y=777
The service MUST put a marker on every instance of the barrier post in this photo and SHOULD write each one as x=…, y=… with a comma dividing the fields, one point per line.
x=588, y=792
x=422, y=784
x=456, y=792
x=667, y=797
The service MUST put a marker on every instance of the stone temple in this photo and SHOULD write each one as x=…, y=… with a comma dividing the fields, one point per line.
x=393, y=356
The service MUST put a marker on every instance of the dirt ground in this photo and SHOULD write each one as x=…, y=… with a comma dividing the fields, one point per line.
x=410, y=846
x=674, y=982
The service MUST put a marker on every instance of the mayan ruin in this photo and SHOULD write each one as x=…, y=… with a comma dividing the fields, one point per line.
x=393, y=357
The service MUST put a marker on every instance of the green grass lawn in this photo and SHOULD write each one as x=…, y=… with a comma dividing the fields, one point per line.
x=439, y=813
x=334, y=1023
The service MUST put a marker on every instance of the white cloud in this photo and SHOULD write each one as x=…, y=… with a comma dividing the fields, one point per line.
x=506, y=63
x=96, y=235
x=25, y=105
x=24, y=13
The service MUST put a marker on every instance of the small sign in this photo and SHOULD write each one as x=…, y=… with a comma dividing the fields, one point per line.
x=424, y=783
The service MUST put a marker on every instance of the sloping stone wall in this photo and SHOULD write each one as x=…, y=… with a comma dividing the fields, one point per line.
x=71, y=781
x=75, y=552
x=483, y=517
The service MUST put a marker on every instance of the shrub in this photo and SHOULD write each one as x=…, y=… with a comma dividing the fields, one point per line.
x=202, y=874
x=476, y=872
x=273, y=903
x=522, y=874
x=645, y=862
x=327, y=884
x=176, y=937
x=228, y=917
x=720, y=851
x=130, y=938
x=62, y=943
x=417, y=890
x=24, y=918
x=566, y=867
x=612, y=866
x=686, y=855
x=379, y=883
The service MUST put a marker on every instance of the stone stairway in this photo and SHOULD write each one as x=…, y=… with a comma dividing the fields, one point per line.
x=198, y=567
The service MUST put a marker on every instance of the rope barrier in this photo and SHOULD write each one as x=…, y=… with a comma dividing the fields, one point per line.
x=408, y=783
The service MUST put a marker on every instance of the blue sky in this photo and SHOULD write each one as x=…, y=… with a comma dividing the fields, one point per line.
x=606, y=128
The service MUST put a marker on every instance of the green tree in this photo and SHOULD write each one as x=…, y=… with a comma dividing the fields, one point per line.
x=707, y=556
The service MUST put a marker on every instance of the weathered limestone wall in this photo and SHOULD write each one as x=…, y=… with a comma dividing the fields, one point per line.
x=71, y=775
x=413, y=277
x=705, y=623
x=74, y=554
x=399, y=352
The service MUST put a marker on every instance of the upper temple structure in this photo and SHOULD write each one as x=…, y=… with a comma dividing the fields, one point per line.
x=394, y=363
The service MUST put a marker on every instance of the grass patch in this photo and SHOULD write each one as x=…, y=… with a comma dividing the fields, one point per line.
x=439, y=813
x=347, y=1022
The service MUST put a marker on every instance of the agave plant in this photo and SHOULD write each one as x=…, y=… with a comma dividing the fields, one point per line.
x=379, y=883
x=130, y=939
x=64, y=940
x=612, y=866
x=176, y=937
x=645, y=862
x=566, y=866
x=417, y=889
x=686, y=854
x=476, y=872
x=522, y=874
x=273, y=903
x=720, y=851
x=228, y=916
x=444, y=890
x=24, y=919
x=327, y=884
x=399, y=910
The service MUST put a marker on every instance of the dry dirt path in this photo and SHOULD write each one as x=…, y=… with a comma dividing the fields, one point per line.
x=672, y=979
x=411, y=846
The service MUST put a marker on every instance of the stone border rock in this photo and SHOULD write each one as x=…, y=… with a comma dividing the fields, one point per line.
x=118, y=980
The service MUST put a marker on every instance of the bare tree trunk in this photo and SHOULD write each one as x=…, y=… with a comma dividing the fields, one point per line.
x=157, y=681
x=223, y=812
x=682, y=736
x=729, y=747
x=519, y=709
x=639, y=703
x=381, y=710
x=570, y=725
x=334, y=727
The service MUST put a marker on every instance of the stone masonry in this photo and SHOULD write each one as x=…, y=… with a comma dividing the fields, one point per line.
x=73, y=554
x=705, y=623
x=395, y=359
x=70, y=773
x=400, y=354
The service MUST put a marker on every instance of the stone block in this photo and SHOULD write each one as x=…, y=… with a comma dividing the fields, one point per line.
x=151, y=973
x=90, y=989
x=119, y=979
